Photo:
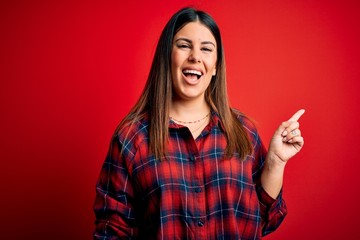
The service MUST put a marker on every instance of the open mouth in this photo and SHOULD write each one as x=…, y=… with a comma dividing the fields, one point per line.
x=192, y=73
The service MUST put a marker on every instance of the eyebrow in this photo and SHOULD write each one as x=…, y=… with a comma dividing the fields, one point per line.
x=189, y=41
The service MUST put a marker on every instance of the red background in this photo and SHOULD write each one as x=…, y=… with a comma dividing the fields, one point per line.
x=70, y=71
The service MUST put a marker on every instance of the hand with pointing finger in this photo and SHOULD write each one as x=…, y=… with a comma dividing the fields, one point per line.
x=287, y=140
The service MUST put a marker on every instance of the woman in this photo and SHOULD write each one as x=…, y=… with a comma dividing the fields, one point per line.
x=183, y=164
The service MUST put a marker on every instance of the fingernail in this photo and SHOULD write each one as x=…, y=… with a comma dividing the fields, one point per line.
x=290, y=141
x=285, y=133
x=284, y=139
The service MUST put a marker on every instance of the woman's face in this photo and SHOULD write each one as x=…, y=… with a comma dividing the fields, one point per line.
x=193, y=61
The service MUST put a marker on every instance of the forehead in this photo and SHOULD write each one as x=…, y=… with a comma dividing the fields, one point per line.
x=195, y=31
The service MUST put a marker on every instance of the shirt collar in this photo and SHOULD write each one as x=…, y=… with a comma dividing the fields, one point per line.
x=216, y=120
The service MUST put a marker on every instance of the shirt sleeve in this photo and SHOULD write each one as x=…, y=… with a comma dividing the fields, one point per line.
x=273, y=211
x=115, y=199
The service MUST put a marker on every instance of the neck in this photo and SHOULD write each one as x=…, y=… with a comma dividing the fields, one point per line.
x=189, y=110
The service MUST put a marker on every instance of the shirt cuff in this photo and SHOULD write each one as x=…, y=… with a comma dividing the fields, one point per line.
x=269, y=206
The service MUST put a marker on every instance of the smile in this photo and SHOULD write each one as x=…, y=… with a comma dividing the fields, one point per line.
x=192, y=73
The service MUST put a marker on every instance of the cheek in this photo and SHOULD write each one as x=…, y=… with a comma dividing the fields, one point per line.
x=173, y=65
x=211, y=66
x=177, y=57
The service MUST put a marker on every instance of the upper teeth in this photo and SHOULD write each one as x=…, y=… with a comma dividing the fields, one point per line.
x=188, y=71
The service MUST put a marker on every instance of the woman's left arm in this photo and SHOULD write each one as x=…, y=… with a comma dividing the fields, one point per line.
x=285, y=143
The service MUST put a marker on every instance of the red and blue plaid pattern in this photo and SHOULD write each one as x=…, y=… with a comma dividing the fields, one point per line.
x=195, y=193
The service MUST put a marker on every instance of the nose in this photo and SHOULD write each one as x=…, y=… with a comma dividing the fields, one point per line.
x=194, y=57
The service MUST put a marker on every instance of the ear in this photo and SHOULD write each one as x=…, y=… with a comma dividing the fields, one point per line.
x=214, y=72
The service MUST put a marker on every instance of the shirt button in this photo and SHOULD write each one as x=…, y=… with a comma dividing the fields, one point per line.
x=200, y=223
x=192, y=158
x=197, y=190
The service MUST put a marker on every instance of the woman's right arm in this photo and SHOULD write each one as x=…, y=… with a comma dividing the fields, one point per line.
x=115, y=197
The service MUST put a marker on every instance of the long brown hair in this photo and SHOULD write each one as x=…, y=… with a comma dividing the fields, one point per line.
x=156, y=97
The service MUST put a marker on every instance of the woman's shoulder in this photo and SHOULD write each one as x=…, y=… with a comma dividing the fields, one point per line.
x=249, y=126
x=244, y=119
x=132, y=130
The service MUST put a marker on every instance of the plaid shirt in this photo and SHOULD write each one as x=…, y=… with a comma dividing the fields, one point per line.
x=195, y=193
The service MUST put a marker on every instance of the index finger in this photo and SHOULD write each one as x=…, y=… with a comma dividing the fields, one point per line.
x=297, y=115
